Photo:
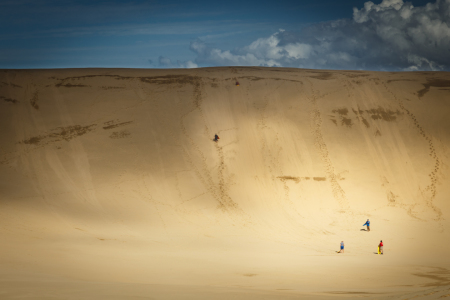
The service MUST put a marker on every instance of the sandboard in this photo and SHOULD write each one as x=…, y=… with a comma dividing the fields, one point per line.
x=379, y=252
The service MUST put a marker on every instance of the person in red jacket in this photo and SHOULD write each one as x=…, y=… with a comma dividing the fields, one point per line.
x=381, y=247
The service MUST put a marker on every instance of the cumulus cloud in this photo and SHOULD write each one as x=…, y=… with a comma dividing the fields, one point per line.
x=187, y=64
x=392, y=35
x=166, y=62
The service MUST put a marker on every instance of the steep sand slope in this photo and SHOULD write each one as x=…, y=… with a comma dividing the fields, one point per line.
x=113, y=188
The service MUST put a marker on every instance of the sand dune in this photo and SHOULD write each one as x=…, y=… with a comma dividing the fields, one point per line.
x=113, y=188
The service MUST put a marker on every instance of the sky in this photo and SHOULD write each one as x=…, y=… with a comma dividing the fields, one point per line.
x=387, y=35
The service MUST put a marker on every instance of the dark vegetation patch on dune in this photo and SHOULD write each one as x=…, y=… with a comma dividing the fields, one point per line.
x=63, y=82
x=341, y=111
x=379, y=113
x=346, y=121
x=393, y=80
x=113, y=124
x=433, y=83
x=14, y=101
x=91, y=76
x=284, y=70
x=113, y=87
x=298, y=179
x=120, y=134
x=170, y=79
x=351, y=293
x=61, y=133
x=359, y=111
x=69, y=85
x=323, y=75
x=319, y=178
x=10, y=84
x=284, y=178
x=35, y=140
x=164, y=79
x=355, y=75
x=256, y=78
x=365, y=122
x=383, y=114
x=69, y=132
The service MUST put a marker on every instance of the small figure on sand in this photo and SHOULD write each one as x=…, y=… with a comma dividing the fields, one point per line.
x=237, y=83
x=368, y=224
x=380, y=247
x=342, y=248
x=216, y=138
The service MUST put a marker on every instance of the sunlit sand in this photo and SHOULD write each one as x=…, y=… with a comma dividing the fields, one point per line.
x=112, y=186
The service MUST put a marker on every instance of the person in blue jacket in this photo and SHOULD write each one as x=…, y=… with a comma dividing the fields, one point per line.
x=368, y=224
x=342, y=248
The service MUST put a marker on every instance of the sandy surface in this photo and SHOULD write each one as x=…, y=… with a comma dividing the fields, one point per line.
x=113, y=188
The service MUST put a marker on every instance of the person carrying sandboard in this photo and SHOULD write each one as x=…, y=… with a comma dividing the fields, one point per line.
x=367, y=224
x=380, y=247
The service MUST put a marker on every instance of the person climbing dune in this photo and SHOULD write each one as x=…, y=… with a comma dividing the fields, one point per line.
x=216, y=138
x=368, y=224
x=342, y=248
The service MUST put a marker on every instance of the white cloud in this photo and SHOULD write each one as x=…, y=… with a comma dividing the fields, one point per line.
x=392, y=35
x=213, y=56
x=165, y=62
x=298, y=50
x=187, y=64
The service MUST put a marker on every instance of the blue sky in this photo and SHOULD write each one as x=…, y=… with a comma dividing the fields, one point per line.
x=380, y=35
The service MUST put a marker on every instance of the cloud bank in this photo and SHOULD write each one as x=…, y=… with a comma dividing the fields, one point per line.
x=393, y=35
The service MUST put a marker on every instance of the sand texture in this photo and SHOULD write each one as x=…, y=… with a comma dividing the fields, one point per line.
x=113, y=188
